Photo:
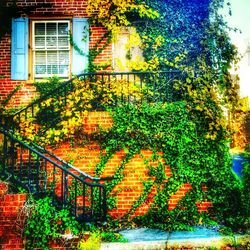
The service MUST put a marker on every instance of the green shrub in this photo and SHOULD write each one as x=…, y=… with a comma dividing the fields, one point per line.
x=45, y=87
x=46, y=223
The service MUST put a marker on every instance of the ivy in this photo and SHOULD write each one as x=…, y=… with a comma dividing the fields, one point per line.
x=57, y=120
x=115, y=13
x=192, y=156
x=190, y=133
x=96, y=50
x=193, y=142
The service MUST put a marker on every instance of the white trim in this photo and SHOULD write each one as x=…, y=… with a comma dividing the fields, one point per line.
x=46, y=48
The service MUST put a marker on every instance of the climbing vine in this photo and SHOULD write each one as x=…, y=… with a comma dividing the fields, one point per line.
x=192, y=38
x=190, y=133
x=58, y=120
x=181, y=134
x=189, y=136
x=116, y=13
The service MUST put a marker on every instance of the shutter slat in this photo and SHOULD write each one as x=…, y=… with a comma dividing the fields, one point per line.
x=81, y=39
x=19, y=49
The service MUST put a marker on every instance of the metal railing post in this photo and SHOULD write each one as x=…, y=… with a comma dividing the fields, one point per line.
x=29, y=165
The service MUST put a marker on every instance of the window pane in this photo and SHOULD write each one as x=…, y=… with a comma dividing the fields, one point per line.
x=51, y=29
x=52, y=57
x=40, y=57
x=64, y=62
x=39, y=28
x=63, y=28
x=52, y=69
x=40, y=62
x=64, y=57
x=40, y=69
x=39, y=42
x=63, y=41
x=51, y=41
x=63, y=69
x=49, y=69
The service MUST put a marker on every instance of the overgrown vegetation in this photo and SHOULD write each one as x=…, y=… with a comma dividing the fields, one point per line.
x=60, y=119
x=193, y=157
x=46, y=223
x=111, y=14
x=192, y=37
x=191, y=133
x=5, y=112
x=92, y=238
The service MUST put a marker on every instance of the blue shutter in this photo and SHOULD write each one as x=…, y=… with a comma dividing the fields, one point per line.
x=81, y=39
x=19, y=49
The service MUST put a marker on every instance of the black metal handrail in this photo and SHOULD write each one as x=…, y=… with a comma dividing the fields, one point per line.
x=68, y=165
x=40, y=171
x=159, y=88
x=42, y=174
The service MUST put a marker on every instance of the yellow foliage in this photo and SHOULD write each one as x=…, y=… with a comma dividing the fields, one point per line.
x=139, y=65
x=134, y=40
x=112, y=13
x=92, y=243
x=204, y=99
x=159, y=40
x=102, y=92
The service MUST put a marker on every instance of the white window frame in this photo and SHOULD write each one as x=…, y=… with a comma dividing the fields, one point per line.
x=34, y=49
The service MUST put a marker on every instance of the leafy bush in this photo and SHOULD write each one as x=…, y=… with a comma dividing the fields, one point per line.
x=192, y=155
x=46, y=87
x=91, y=243
x=5, y=113
x=59, y=117
x=237, y=214
x=46, y=222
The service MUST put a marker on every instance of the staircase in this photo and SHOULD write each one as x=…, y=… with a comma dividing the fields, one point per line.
x=42, y=173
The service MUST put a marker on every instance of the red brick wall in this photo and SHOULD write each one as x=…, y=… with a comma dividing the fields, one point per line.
x=6, y=85
x=86, y=157
x=11, y=226
x=59, y=8
x=10, y=205
x=5, y=57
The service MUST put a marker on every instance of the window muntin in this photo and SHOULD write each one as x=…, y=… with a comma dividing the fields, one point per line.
x=51, y=48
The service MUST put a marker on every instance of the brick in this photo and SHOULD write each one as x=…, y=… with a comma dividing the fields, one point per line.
x=206, y=203
x=60, y=8
x=9, y=198
x=22, y=197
